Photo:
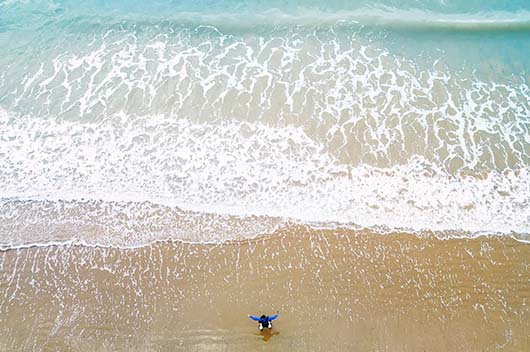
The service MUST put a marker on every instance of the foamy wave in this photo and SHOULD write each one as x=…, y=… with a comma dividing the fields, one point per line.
x=30, y=222
x=311, y=125
x=231, y=169
x=360, y=102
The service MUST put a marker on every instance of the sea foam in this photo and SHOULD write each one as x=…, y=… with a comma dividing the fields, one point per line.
x=158, y=168
x=156, y=127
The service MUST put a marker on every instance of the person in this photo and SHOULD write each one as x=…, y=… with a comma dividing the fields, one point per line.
x=264, y=320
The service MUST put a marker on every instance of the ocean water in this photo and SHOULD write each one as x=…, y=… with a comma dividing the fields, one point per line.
x=168, y=167
x=124, y=123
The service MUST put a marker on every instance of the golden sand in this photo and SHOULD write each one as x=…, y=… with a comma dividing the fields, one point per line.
x=336, y=290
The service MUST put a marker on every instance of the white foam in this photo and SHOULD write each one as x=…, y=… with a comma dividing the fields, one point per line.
x=233, y=169
x=360, y=102
x=309, y=126
x=40, y=222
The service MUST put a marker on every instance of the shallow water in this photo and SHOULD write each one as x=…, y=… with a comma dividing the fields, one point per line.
x=167, y=168
x=335, y=290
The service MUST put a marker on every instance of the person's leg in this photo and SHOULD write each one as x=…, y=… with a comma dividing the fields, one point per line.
x=270, y=324
x=260, y=327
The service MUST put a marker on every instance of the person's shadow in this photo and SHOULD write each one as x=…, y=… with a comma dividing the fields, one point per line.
x=268, y=334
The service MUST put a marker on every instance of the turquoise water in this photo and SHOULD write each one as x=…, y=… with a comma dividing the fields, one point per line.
x=392, y=114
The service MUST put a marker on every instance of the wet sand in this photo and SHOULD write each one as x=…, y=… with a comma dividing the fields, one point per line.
x=336, y=290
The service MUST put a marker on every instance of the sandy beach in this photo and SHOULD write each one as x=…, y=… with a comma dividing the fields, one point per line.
x=335, y=290
x=169, y=167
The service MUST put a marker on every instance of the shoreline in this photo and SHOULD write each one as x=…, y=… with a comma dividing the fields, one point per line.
x=288, y=225
x=335, y=289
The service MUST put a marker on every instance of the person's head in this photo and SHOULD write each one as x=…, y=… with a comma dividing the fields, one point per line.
x=263, y=316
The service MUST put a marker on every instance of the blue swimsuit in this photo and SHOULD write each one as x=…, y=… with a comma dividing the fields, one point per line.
x=263, y=321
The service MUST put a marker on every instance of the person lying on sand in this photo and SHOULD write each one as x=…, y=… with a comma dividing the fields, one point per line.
x=264, y=320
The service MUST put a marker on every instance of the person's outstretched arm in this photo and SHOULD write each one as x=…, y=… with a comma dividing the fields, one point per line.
x=253, y=318
x=271, y=318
